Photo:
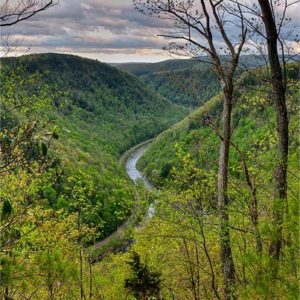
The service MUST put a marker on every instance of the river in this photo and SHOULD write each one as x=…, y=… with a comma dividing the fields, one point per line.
x=129, y=161
x=135, y=174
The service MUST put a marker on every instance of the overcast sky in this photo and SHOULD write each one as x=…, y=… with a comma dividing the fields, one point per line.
x=109, y=30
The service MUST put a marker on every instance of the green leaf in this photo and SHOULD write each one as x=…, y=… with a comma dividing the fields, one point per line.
x=44, y=149
x=6, y=208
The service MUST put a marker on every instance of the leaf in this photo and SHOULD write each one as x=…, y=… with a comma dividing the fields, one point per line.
x=55, y=135
x=44, y=149
x=6, y=208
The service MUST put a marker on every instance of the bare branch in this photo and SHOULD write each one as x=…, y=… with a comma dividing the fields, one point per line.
x=11, y=13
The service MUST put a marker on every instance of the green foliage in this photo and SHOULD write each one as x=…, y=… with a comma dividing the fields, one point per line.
x=187, y=87
x=186, y=82
x=23, y=138
x=56, y=198
x=186, y=215
x=97, y=112
x=72, y=191
x=101, y=99
x=143, y=283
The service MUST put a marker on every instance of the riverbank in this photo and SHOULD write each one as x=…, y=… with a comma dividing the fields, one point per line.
x=119, y=240
x=125, y=156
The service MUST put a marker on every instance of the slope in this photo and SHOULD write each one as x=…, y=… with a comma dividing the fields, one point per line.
x=252, y=119
x=186, y=82
x=189, y=82
x=99, y=112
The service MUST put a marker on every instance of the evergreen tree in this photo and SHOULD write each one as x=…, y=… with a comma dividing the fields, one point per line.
x=144, y=283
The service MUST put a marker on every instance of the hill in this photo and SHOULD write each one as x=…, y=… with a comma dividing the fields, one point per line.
x=189, y=82
x=99, y=113
x=194, y=137
x=186, y=82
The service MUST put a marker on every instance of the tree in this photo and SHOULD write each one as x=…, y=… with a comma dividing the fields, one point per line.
x=81, y=191
x=195, y=26
x=282, y=122
x=143, y=283
x=13, y=12
x=267, y=20
x=23, y=141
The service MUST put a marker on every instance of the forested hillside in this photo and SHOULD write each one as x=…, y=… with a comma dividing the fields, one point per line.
x=65, y=121
x=124, y=109
x=186, y=82
x=99, y=112
x=189, y=82
x=196, y=134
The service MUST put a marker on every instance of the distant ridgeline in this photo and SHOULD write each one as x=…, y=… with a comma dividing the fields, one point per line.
x=189, y=82
x=99, y=112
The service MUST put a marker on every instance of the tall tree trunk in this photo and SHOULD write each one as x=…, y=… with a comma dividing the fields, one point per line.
x=278, y=91
x=91, y=277
x=226, y=253
x=253, y=203
x=82, y=296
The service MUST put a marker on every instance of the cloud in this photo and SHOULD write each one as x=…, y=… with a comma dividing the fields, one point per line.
x=98, y=25
x=95, y=26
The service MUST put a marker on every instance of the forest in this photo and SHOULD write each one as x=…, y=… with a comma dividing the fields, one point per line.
x=212, y=208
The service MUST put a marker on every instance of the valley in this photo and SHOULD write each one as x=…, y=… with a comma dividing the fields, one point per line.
x=149, y=150
x=111, y=176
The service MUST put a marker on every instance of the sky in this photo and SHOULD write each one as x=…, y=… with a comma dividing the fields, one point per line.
x=107, y=30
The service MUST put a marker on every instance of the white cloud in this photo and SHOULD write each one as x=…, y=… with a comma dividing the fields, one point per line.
x=101, y=27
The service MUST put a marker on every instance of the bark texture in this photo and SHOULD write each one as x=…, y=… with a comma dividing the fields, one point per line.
x=226, y=253
x=278, y=94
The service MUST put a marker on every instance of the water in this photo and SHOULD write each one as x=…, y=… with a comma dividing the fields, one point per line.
x=131, y=167
x=136, y=175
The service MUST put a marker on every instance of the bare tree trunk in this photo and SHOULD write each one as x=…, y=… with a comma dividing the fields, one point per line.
x=6, y=293
x=91, y=277
x=82, y=296
x=253, y=202
x=278, y=91
x=226, y=253
x=81, y=274
x=254, y=218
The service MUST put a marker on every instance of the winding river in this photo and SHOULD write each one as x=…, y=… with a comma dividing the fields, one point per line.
x=135, y=174
x=129, y=161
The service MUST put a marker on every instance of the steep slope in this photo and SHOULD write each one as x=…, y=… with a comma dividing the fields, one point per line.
x=189, y=82
x=185, y=82
x=182, y=241
x=120, y=104
x=252, y=119
x=99, y=112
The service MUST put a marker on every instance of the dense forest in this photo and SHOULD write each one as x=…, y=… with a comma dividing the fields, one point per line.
x=188, y=82
x=79, y=115
x=98, y=112
x=220, y=175
x=183, y=236
x=185, y=82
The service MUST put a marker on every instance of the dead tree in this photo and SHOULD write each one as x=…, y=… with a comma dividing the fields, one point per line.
x=196, y=28
x=13, y=12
